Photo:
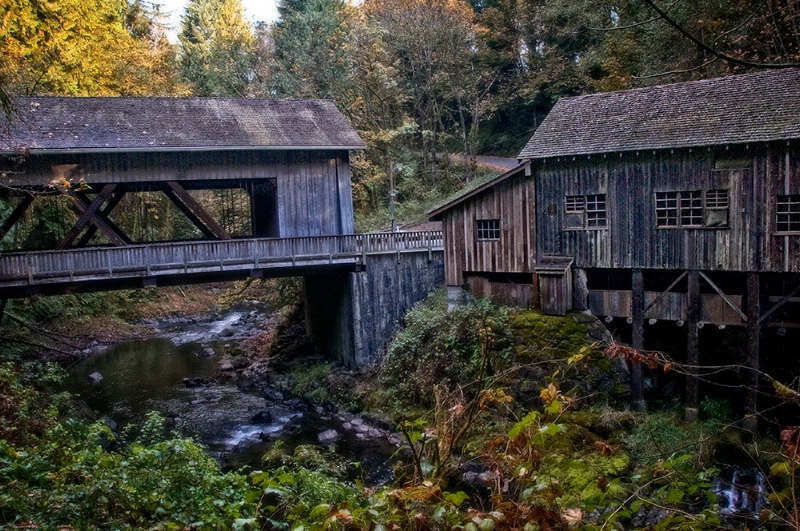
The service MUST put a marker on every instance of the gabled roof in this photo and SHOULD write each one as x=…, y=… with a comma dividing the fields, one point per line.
x=759, y=107
x=476, y=189
x=66, y=124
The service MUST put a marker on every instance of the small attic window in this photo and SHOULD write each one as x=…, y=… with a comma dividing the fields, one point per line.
x=488, y=229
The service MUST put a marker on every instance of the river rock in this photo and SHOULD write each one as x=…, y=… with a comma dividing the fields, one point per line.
x=245, y=383
x=226, y=366
x=228, y=332
x=328, y=436
x=273, y=395
x=208, y=352
x=264, y=416
x=193, y=382
x=95, y=377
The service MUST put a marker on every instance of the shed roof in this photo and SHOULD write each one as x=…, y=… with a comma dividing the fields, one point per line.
x=70, y=124
x=758, y=107
x=475, y=189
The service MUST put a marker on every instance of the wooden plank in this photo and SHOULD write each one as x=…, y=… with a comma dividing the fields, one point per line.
x=637, y=332
x=15, y=216
x=693, y=349
x=195, y=212
x=91, y=230
x=89, y=210
x=753, y=352
x=88, y=214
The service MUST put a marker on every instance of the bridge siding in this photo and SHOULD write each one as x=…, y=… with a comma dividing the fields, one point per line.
x=312, y=188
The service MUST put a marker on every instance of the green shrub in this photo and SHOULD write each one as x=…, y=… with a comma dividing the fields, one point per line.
x=437, y=347
x=58, y=473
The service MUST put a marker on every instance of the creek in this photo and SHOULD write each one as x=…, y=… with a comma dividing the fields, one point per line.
x=178, y=374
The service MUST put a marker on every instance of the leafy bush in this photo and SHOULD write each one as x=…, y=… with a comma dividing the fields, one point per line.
x=56, y=474
x=437, y=347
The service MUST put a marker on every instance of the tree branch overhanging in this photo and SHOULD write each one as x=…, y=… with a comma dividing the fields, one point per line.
x=721, y=55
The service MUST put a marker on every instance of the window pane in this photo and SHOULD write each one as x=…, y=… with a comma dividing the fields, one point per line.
x=596, y=210
x=716, y=199
x=575, y=203
x=666, y=209
x=488, y=229
x=691, y=208
x=788, y=213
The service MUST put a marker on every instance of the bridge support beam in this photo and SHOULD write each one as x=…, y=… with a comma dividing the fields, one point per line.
x=354, y=315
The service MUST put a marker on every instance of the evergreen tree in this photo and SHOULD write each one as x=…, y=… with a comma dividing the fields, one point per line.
x=311, y=51
x=217, y=48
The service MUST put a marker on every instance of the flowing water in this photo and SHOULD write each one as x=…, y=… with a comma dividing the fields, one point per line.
x=236, y=425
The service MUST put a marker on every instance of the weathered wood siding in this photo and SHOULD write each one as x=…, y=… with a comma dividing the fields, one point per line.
x=312, y=192
x=511, y=293
x=511, y=202
x=632, y=240
x=782, y=167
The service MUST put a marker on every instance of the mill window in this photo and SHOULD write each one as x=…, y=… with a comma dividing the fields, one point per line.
x=692, y=208
x=788, y=213
x=585, y=211
x=488, y=229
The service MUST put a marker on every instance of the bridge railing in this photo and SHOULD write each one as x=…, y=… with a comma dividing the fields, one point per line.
x=198, y=256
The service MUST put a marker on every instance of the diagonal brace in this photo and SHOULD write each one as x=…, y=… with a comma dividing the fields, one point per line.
x=778, y=304
x=103, y=213
x=195, y=212
x=15, y=216
x=664, y=293
x=89, y=214
x=725, y=298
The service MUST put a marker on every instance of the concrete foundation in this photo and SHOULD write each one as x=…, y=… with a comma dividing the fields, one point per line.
x=353, y=315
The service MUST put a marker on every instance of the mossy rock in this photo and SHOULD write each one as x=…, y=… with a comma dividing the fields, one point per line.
x=560, y=350
x=541, y=336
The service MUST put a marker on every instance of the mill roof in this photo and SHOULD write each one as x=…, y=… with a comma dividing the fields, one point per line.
x=77, y=124
x=758, y=107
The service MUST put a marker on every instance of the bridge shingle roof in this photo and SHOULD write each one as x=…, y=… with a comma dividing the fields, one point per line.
x=758, y=107
x=78, y=124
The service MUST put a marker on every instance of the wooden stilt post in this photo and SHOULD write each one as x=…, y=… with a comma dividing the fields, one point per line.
x=692, y=410
x=637, y=315
x=753, y=348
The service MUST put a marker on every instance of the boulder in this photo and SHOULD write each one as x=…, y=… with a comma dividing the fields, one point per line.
x=273, y=395
x=262, y=417
x=328, y=436
x=95, y=377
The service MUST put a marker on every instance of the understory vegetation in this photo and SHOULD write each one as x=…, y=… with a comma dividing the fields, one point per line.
x=512, y=420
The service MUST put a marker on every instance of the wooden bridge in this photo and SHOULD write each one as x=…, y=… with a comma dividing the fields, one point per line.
x=114, y=193
x=86, y=269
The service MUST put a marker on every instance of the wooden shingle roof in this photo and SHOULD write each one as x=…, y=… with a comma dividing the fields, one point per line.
x=758, y=107
x=67, y=124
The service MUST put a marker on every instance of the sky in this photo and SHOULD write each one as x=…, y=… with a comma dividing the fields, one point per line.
x=255, y=10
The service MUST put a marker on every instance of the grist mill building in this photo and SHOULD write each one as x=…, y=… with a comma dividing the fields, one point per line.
x=674, y=205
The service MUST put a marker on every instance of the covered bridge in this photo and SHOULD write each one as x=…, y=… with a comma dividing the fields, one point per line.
x=109, y=193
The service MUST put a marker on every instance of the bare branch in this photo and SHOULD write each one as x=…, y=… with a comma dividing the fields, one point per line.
x=721, y=55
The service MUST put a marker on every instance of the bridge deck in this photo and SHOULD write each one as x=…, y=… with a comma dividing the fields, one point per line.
x=26, y=273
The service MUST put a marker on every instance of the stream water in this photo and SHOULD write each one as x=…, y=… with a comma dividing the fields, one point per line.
x=236, y=424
